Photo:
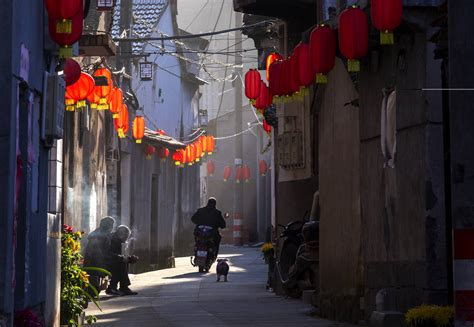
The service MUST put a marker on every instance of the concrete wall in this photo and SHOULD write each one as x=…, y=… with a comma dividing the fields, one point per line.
x=340, y=221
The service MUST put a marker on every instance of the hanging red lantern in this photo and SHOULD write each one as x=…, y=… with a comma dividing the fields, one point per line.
x=227, y=173
x=72, y=71
x=285, y=77
x=93, y=100
x=192, y=154
x=79, y=91
x=66, y=40
x=62, y=12
x=304, y=69
x=211, y=168
x=116, y=101
x=163, y=153
x=274, y=83
x=271, y=58
x=246, y=173
x=210, y=144
x=386, y=17
x=353, y=36
x=265, y=98
x=262, y=167
x=266, y=127
x=103, y=91
x=238, y=174
x=121, y=122
x=198, y=146
x=138, y=129
x=178, y=157
x=149, y=151
x=322, y=51
x=203, y=140
x=294, y=77
x=252, y=84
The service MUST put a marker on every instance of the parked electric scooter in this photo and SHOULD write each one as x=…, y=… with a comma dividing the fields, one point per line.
x=297, y=257
x=204, y=249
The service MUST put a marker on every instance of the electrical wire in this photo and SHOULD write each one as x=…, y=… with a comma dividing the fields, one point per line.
x=197, y=15
x=191, y=36
x=225, y=73
x=236, y=134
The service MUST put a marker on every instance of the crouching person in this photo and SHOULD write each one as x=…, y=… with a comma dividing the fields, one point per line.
x=119, y=263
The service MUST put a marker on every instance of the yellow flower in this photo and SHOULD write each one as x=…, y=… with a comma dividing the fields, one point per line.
x=441, y=316
x=76, y=246
x=84, y=277
x=266, y=247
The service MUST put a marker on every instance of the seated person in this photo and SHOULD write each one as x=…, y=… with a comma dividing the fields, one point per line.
x=97, y=249
x=119, y=263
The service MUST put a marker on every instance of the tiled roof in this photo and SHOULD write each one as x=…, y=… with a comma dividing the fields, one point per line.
x=146, y=15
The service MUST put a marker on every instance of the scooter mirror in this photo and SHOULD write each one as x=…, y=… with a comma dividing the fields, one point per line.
x=226, y=215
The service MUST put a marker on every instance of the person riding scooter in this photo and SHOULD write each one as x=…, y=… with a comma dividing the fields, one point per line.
x=210, y=216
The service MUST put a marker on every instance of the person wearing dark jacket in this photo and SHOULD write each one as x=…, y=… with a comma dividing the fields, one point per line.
x=210, y=216
x=119, y=263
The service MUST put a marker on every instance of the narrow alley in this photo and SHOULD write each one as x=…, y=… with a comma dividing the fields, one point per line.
x=185, y=297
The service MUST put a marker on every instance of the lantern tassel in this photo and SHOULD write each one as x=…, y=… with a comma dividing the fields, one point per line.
x=321, y=78
x=70, y=108
x=115, y=116
x=386, y=37
x=65, y=52
x=138, y=141
x=93, y=105
x=353, y=65
x=64, y=26
x=148, y=157
x=81, y=104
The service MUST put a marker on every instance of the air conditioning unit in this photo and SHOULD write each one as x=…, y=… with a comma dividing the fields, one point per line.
x=53, y=106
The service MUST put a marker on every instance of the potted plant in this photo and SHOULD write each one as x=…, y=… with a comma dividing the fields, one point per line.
x=430, y=316
x=268, y=252
x=75, y=287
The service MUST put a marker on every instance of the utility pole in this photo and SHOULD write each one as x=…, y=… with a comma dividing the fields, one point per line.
x=238, y=187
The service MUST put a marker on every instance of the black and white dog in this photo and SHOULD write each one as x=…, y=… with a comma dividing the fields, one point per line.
x=222, y=269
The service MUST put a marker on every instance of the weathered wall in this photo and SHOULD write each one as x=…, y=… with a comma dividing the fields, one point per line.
x=340, y=222
x=403, y=234
x=85, y=185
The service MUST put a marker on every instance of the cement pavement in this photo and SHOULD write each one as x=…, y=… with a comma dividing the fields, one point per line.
x=184, y=297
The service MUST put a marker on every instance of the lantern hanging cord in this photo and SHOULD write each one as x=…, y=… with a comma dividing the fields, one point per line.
x=237, y=134
x=192, y=36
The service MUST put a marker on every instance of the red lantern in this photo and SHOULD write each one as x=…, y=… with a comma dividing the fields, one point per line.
x=238, y=174
x=285, y=77
x=353, y=36
x=211, y=168
x=294, y=77
x=262, y=167
x=203, y=139
x=265, y=98
x=138, y=129
x=322, y=52
x=386, y=17
x=178, y=157
x=274, y=83
x=163, y=153
x=246, y=173
x=116, y=101
x=266, y=127
x=121, y=122
x=304, y=70
x=93, y=100
x=252, y=84
x=198, y=146
x=191, y=154
x=61, y=13
x=79, y=91
x=210, y=144
x=227, y=173
x=149, y=151
x=65, y=40
x=272, y=57
x=103, y=91
x=72, y=71
x=161, y=132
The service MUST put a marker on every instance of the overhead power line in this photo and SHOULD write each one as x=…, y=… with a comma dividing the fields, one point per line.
x=177, y=37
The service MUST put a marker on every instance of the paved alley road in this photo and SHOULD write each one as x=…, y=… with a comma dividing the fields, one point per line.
x=184, y=297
